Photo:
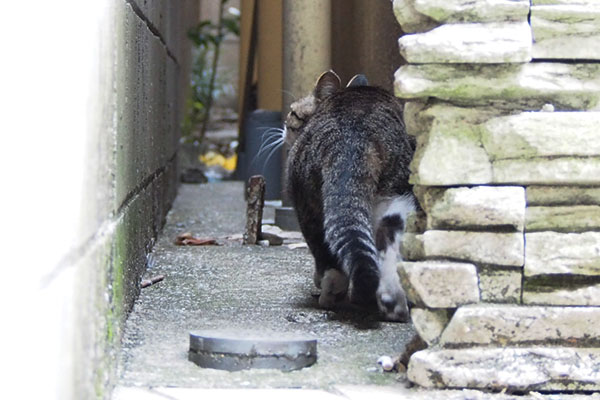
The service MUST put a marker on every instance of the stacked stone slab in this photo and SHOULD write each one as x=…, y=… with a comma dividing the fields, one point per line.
x=503, y=266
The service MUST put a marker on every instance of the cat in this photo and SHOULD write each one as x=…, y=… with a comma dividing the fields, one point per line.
x=347, y=177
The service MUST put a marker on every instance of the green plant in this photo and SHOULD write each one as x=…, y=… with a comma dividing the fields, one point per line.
x=207, y=38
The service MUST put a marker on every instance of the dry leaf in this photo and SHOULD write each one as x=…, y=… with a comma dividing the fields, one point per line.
x=186, y=239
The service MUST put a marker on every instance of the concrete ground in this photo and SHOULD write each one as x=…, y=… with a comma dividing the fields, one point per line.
x=263, y=289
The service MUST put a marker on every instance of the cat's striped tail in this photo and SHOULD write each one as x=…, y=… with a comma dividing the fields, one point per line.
x=348, y=197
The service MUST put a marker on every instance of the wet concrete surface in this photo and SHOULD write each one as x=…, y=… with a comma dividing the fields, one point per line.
x=231, y=286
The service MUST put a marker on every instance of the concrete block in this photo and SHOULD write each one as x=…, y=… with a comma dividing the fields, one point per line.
x=519, y=86
x=439, y=284
x=174, y=104
x=473, y=208
x=141, y=136
x=155, y=12
x=98, y=316
x=509, y=325
x=469, y=43
x=516, y=369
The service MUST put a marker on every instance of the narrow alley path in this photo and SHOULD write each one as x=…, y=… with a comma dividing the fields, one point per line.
x=249, y=287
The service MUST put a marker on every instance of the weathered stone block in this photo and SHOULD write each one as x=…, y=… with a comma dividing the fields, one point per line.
x=562, y=195
x=478, y=247
x=415, y=120
x=411, y=246
x=468, y=208
x=429, y=324
x=421, y=117
x=564, y=2
x=500, y=285
x=416, y=222
x=473, y=11
x=562, y=253
x=411, y=20
x=563, y=219
x=566, y=31
x=450, y=157
x=542, y=134
x=508, y=325
x=469, y=43
x=557, y=292
x=516, y=369
x=438, y=284
x=551, y=171
x=449, y=149
x=525, y=86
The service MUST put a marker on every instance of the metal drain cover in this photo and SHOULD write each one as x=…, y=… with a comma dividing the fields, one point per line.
x=239, y=350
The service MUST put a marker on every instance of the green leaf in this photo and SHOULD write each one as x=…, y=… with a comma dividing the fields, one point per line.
x=232, y=25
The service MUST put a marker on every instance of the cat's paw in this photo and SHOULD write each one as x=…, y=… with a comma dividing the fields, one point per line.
x=334, y=286
x=391, y=301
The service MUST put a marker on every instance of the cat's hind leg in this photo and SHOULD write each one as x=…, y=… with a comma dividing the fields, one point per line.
x=334, y=287
x=390, y=220
x=328, y=277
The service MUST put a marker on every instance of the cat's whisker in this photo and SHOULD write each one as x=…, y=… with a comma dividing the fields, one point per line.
x=274, y=140
x=268, y=141
x=272, y=131
x=276, y=147
x=276, y=143
x=266, y=149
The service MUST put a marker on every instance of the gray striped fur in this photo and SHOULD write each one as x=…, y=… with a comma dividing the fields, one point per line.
x=349, y=149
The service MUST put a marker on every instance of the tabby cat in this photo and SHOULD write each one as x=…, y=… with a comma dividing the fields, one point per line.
x=347, y=176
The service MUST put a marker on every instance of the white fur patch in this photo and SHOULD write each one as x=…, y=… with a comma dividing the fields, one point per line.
x=385, y=206
x=390, y=291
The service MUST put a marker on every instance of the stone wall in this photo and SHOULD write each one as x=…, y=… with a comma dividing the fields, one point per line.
x=503, y=266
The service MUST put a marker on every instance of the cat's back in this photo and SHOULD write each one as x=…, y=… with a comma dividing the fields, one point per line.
x=359, y=129
x=360, y=105
x=356, y=117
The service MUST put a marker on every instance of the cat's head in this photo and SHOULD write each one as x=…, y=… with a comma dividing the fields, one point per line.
x=301, y=110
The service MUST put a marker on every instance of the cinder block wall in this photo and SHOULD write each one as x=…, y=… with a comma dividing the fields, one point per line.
x=131, y=176
x=503, y=98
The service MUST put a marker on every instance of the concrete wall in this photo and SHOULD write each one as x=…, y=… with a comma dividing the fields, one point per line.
x=144, y=80
x=102, y=100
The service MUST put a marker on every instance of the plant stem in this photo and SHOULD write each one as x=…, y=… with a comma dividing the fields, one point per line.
x=213, y=72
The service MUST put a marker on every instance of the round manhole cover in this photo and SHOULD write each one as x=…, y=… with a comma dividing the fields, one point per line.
x=238, y=350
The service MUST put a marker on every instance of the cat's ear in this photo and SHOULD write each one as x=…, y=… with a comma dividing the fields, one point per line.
x=327, y=84
x=358, y=80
